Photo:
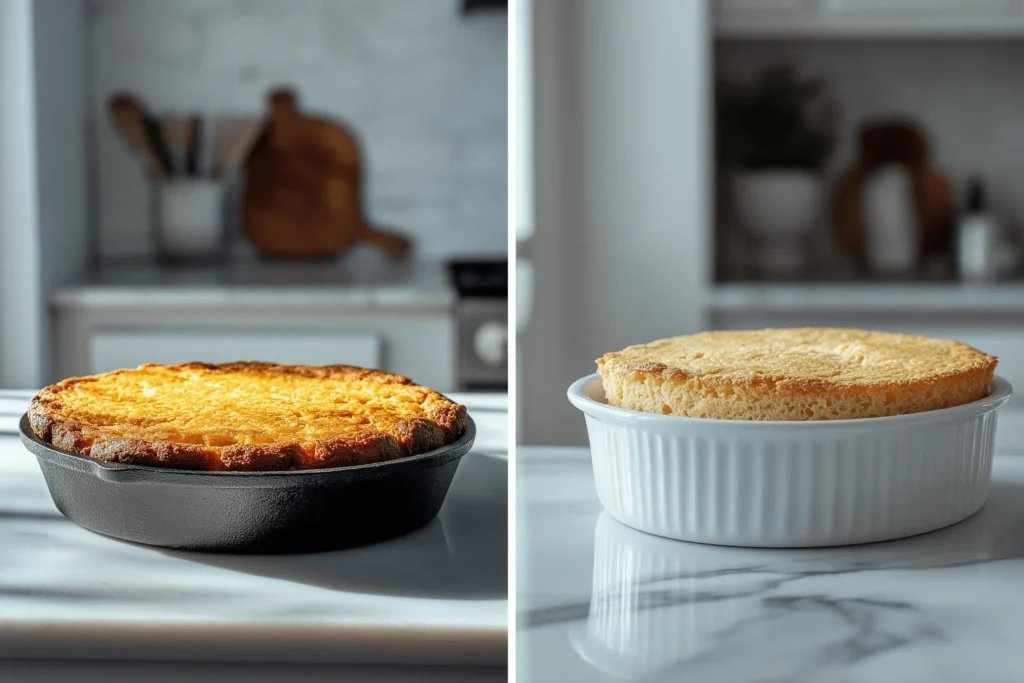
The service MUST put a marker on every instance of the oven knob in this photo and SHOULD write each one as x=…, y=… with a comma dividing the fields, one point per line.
x=490, y=343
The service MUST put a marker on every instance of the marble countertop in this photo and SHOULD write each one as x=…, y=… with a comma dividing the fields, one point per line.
x=436, y=596
x=598, y=601
x=364, y=282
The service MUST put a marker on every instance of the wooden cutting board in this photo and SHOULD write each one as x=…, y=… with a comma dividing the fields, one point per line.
x=904, y=143
x=303, y=194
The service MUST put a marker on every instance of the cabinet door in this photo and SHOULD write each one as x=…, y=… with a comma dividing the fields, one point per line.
x=113, y=350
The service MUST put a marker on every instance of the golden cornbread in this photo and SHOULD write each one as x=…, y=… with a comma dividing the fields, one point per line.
x=244, y=416
x=795, y=374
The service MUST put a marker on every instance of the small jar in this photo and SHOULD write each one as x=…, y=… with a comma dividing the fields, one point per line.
x=189, y=220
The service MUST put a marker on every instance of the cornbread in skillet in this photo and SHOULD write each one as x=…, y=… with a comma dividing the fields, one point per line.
x=245, y=416
x=795, y=374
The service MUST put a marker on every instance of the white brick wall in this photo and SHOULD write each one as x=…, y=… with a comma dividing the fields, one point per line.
x=422, y=85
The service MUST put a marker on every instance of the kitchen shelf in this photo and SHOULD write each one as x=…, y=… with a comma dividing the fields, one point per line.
x=872, y=31
x=870, y=19
x=364, y=284
x=930, y=298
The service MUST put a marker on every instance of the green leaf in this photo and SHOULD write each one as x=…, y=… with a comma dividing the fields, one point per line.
x=779, y=121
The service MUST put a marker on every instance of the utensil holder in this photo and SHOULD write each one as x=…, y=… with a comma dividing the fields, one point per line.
x=189, y=220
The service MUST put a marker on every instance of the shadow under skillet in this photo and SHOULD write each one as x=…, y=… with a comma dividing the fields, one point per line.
x=460, y=555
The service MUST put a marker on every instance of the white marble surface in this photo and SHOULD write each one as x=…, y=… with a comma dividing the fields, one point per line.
x=597, y=601
x=369, y=283
x=437, y=596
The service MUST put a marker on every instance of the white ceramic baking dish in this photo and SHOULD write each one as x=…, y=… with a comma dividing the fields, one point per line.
x=790, y=484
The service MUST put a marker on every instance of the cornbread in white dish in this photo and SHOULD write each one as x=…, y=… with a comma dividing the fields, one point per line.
x=762, y=483
x=795, y=375
x=792, y=438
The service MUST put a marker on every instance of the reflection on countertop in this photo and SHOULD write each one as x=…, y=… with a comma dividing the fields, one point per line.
x=600, y=601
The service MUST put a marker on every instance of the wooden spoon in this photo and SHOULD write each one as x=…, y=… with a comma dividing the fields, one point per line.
x=233, y=139
x=142, y=133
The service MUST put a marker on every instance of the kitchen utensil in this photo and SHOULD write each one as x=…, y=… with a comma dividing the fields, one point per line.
x=790, y=484
x=142, y=133
x=894, y=142
x=303, y=195
x=175, y=133
x=250, y=512
x=190, y=219
x=193, y=142
x=233, y=139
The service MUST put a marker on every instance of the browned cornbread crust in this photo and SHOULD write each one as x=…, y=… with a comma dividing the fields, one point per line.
x=245, y=416
x=795, y=374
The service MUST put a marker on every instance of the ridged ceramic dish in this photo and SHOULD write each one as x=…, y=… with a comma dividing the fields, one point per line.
x=790, y=484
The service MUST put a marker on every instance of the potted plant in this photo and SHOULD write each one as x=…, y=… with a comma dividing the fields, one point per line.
x=774, y=138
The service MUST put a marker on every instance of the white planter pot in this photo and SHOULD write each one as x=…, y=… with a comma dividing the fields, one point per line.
x=779, y=208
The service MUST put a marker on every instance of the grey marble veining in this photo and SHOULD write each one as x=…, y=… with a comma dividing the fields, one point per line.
x=600, y=601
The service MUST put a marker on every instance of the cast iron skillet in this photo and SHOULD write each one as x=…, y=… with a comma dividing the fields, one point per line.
x=250, y=512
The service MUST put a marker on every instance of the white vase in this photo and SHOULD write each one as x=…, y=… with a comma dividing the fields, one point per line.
x=890, y=220
x=779, y=208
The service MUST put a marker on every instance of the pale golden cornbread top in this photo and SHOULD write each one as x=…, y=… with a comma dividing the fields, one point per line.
x=795, y=374
x=830, y=355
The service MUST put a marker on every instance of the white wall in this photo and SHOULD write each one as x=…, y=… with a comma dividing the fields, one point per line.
x=43, y=207
x=61, y=149
x=423, y=85
x=546, y=354
x=622, y=191
x=21, y=326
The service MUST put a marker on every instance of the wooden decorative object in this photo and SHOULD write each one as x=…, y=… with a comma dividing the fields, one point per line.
x=903, y=143
x=303, y=196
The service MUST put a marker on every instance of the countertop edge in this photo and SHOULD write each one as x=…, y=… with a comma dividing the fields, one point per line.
x=236, y=641
x=213, y=297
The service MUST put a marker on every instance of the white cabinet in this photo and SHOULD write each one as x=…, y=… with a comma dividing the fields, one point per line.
x=398, y=317
x=415, y=340
x=868, y=18
x=110, y=350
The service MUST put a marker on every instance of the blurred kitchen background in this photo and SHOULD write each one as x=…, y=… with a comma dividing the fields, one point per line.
x=729, y=164
x=312, y=181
